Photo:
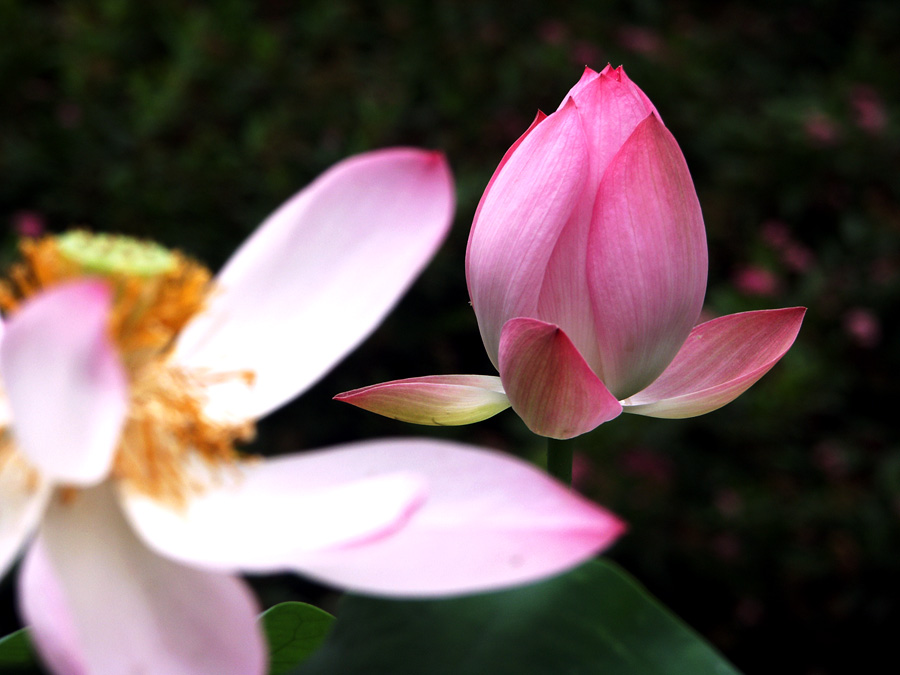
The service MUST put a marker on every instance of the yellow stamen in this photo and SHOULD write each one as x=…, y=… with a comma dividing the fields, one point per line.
x=156, y=292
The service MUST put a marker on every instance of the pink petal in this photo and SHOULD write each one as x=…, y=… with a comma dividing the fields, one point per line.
x=23, y=497
x=98, y=601
x=261, y=516
x=646, y=259
x=721, y=359
x=529, y=203
x=66, y=387
x=437, y=400
x=319, y=275
x=490, y=521
x=610, y=109
x=549, y=384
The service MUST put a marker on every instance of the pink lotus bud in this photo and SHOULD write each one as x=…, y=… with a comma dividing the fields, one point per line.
x=586, y=267
x=591, y=227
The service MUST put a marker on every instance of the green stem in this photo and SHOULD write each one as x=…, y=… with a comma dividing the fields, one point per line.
x=559, y=460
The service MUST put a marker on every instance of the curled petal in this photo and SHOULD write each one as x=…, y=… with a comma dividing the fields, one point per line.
x=548, y=382
x=318, y=276
x=261, y=516
x=436, y=400
x=66, y=387
x=647, y=259
x=720, y=360
x=98, y=601
x=23, y=496
x=490, y=521
x=527, y=207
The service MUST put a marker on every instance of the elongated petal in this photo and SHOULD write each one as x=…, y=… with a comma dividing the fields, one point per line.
x=319, y=275
x=490, y=521
x=647, y=259
x=262, y=516
x=610, y=108
x=98, y=601
x=23, y=496
x=66, y=387
x=549, y=384
x=720, y=360
x=436, y=400
x=520, y=220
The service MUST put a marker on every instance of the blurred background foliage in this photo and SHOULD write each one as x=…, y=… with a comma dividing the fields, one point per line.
x=771, y=525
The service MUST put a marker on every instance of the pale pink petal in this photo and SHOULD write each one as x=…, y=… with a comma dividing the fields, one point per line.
x=549, y=384
x=522, y=216
x=647, y=259
x=23, y=496
x=719, y=361
x=587, y=77
x=98, y=601
x=262, y=515
x=67, y=389
x=610, y=109
x=490, y=521
x=437, y=400
x=318, y=276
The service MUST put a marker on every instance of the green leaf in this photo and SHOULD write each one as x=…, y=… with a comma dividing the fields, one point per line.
x=294, y=630
x=16, y=653
x=595, y=619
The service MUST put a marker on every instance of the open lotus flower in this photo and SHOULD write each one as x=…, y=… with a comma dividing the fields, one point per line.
x=128, y=377
x=587, y=267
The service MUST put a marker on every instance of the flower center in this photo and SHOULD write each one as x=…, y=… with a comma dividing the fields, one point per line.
x=167, y=436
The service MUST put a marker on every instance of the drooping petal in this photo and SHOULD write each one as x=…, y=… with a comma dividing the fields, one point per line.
x=647, y=259
x=67, y=389
x=549, y=384
x=490, y=521
x=528, y=205
x=719, y=361
x=261, y=516
x=437, y=400
x=23, y=496
x=318, y=276
x=98, y=601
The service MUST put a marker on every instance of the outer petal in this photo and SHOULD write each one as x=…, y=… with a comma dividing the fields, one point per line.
x=548, y=382
x=319, y=275
x=490, y=521
x=437, y=400
x=721, y=359
x=610, y=108
x=647, y=259
x=66, y=387
x=528, y=205
x=98, y=601
x=262, y=516
x=23, y=496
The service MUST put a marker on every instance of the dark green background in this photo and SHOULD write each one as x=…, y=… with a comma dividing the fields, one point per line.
x=771, y=526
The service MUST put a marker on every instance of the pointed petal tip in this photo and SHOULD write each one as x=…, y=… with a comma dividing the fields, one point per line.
x=434, y=400
x=719, y=361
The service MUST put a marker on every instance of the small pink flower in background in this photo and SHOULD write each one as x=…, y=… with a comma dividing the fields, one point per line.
x=586, y=267
x=29, y=224
x=869, y=112
x=820, y=129
x=863, y=327
x=552, y=32
x=794, y=255
x=641, y=40
x=125, y=392
x=648, y=464
x=756, y=280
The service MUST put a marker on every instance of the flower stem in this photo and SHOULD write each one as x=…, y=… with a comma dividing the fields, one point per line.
x=559, y=460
